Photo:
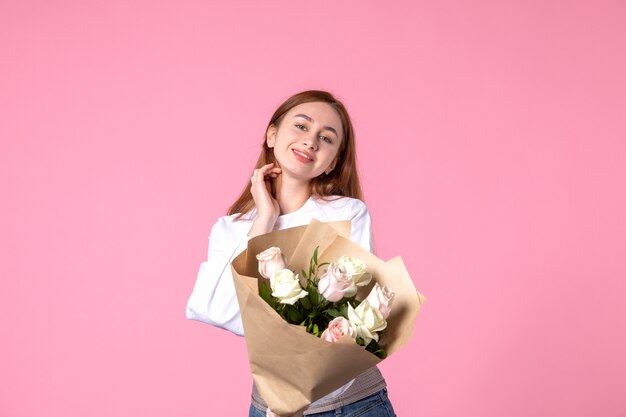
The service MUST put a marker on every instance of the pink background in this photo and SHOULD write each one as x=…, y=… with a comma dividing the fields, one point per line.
x=491, y=143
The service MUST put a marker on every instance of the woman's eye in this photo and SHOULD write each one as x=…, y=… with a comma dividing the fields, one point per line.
x=324, y=138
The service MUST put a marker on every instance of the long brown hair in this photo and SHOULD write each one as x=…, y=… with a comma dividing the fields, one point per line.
x=343, y=180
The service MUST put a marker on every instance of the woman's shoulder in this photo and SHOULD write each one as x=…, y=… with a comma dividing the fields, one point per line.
x=229, y=223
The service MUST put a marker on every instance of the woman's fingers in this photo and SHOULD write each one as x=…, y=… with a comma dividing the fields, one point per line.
x=265, y=171
x=273, y=171
x=269, y=168
x=261, y=187
x=261, y=190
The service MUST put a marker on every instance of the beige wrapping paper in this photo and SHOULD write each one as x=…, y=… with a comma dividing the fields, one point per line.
x=292, y=368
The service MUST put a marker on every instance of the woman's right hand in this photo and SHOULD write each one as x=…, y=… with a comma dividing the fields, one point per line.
x=267, y=206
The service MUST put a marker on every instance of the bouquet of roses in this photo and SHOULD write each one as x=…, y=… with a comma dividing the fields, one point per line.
x=293, y=367
x=326, y=305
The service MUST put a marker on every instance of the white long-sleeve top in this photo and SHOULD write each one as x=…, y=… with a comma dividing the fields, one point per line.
x=214, y=300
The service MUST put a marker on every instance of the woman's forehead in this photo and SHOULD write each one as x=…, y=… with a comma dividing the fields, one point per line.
x=318, y=112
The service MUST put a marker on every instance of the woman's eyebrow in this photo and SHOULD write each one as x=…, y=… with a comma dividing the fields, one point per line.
x=310, y=119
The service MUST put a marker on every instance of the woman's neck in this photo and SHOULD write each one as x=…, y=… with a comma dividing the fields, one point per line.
x=291, y=194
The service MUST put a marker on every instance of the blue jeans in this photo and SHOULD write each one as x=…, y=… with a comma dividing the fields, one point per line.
x=376, y=405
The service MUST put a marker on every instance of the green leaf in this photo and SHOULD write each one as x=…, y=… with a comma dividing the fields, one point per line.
x=265, y=294
x=305, y=303
x=333, y=313
x=265, y=291
x=293, y=314
x=316, y=330
x=315, y=254
x=311, y=268
x=376, y=349
x=315, y=295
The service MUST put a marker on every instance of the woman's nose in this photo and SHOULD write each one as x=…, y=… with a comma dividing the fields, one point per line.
x=311, y=144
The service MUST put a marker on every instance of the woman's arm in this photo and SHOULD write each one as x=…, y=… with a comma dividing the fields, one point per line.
x=214, y=300
x=361, y=230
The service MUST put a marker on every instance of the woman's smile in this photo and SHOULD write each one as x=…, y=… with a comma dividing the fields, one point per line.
x=302, y=157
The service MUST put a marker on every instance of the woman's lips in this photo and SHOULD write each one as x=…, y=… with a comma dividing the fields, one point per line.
x=299, y=157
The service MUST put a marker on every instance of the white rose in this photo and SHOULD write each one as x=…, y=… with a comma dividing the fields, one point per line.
x=286, y=286
x=270, y=260
x=355, y=268
x=367, y=320
x=381, y=298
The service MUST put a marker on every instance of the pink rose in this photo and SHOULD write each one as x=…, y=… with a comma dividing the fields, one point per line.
x=337, y=328
x=336, y=284
x=381, y=298
x=270, y=260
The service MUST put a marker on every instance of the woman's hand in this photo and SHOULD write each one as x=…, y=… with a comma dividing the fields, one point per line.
x=268, y=209
x=267, y=205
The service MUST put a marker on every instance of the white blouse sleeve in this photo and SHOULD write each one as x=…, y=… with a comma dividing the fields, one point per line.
x=361, y=231
x=214, y=300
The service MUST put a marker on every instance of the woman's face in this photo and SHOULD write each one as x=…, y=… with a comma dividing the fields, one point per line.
x=308, y=140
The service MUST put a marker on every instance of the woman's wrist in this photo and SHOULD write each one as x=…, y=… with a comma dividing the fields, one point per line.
x=261, y=225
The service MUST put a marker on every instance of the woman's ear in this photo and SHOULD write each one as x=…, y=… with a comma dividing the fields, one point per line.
x=270, y=136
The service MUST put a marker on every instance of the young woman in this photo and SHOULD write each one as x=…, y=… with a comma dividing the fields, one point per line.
x=307, y=169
